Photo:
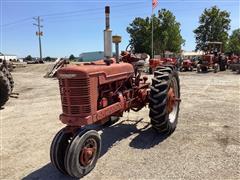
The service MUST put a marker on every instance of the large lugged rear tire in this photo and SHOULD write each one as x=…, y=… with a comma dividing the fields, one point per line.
x=5, y=89
x=164, y=100
x=9, y=76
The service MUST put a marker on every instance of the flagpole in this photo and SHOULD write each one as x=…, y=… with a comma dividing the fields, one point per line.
x=152, y=32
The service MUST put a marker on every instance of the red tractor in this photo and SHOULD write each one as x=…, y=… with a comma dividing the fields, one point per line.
x=156, y=62
x=233, y=59
x=213, y=58
x=186, y=65
x=234, y=63
x=93, y=93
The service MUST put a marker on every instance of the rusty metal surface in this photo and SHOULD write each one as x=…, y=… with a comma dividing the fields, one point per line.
x=93, y=92
x=153, y=63
x=97, y=69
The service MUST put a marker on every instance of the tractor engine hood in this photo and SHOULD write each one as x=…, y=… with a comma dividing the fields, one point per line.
x=105, y=73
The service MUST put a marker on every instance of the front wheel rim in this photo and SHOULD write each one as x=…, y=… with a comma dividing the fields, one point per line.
x=88, y=152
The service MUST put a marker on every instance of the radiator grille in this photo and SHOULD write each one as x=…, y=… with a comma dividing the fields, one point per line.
x=75, y=96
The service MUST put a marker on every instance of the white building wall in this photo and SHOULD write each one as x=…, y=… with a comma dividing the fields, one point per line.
x=8, y=57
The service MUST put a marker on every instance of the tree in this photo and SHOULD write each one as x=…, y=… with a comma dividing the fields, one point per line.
x=28, y=58
x=140, y=34
x=48, y=58
x=167, y=33
x=214, y=26
x=71, y=57
x=234, y=42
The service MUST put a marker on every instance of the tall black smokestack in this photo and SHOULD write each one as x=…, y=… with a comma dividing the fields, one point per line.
x=107, y=35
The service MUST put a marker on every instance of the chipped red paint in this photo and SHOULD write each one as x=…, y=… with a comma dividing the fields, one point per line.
x=93, y=92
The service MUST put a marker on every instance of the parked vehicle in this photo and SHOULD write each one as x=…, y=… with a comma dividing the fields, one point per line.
x=186, y=65
x=213, y=58
x=156, y=62
x=96, y=93
x=233, y=59
x=234, y=65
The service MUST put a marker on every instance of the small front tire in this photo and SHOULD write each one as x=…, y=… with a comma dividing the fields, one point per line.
x=82, y=153
x=216, y=68
x=58, y=149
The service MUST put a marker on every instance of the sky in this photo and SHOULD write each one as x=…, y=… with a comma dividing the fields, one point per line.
x=76, y=26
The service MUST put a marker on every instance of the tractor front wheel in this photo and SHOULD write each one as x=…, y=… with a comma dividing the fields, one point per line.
x=82, y=153
x=164, y=100
x=58, y=149
x=216, y=68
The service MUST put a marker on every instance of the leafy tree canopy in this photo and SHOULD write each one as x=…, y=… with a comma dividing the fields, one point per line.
x=167, y=33
x=48, y=58
x=234, y=42
x=213, y=26
x=71, y=57
x=28, y=58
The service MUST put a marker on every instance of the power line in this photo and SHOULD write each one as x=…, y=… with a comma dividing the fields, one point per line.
x=115, y=17
x=16, y=22
x=86, y=16
x=69, y=13
x=90, y=10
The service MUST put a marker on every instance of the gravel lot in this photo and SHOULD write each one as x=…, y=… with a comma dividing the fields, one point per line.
x=205, y=145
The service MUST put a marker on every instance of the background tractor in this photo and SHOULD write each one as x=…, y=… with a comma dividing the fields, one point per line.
x=93, y=93
x=213, y=58
x=156, y=62
x=6, y=82
x=234, y=63
x=186, y=65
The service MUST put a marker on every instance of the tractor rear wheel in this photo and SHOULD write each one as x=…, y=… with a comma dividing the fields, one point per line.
x=150, y=70
x=9, y=76
x=198, y=68
x=164, y=100
x=58, y=149
x=222, y=67
x=204, y=69
x=82, y=153
x=5, y=89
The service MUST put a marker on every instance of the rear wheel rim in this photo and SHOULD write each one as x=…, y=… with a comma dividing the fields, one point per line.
x=173, y=100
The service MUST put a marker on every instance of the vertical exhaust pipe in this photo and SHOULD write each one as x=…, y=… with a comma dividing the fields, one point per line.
x=107, y=37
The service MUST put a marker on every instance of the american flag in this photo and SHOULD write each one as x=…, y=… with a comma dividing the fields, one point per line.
x=154, y=3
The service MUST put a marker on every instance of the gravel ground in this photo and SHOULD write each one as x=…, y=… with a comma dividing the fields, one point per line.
x=205, y=145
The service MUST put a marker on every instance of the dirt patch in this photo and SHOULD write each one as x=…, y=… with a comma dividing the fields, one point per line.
x=205, y=144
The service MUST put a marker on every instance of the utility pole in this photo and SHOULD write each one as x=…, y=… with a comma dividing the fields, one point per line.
x=39, y=33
